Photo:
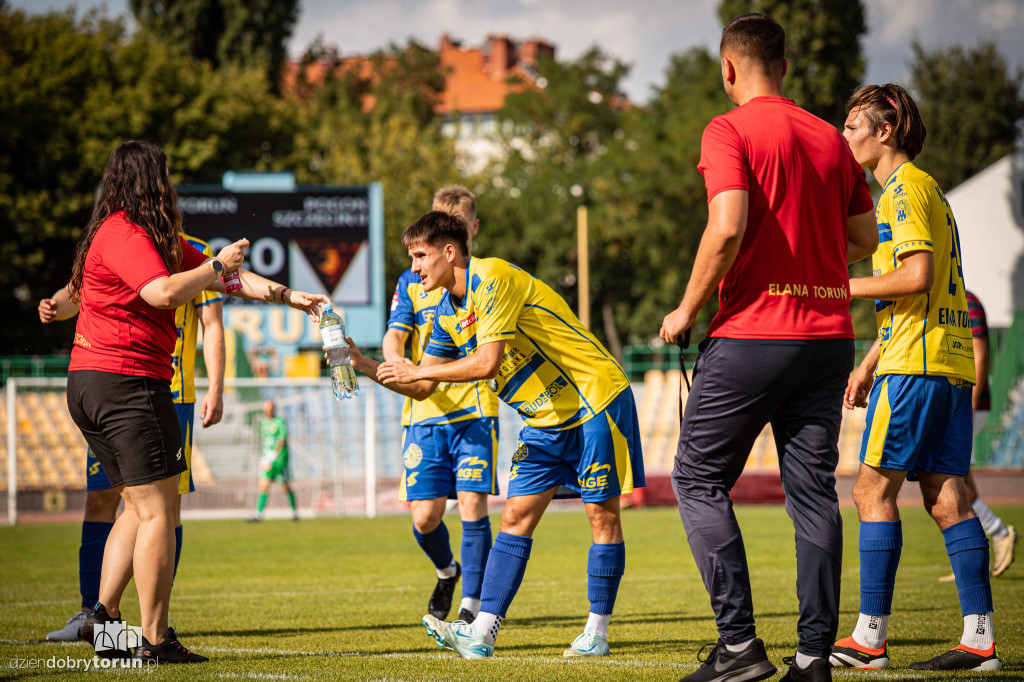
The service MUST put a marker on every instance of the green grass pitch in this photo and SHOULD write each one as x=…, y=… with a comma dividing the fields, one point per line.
x=343, y=598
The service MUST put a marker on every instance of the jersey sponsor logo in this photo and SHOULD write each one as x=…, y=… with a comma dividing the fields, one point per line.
x=593, y=478
x=898, y=190
x=468, y=321
x=410, y=480
x=178, y=456
x=551, y=392
x=954, y=318
x=514, y=473
x=471, y=469
x=94, y=468
x=394, y=301
x=521, y=453
x=82, y=341
x=413, y=456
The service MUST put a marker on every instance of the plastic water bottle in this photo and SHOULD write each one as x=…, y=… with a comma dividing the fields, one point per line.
x=343, y=375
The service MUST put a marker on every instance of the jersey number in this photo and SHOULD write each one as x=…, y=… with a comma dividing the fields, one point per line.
x=954, y=257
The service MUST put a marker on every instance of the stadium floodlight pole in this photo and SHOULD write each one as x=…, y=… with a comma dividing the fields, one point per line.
x=583, y=262
x=12, y=453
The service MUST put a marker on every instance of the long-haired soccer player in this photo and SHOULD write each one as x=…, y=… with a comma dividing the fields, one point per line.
x=920, y=373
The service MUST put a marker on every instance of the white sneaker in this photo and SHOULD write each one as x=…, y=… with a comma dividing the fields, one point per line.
x=461, y=637
x=1004, y=549
x=588, y=644
x=72, y=630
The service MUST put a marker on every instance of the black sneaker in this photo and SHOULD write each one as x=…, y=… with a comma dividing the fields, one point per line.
x=99, y=615
x=441, y=600
x=819, y=670
x=466, y=616
x=722, y=665
x=962, y=658
x=168, y=651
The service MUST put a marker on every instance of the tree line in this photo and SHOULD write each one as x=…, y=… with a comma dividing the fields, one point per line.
x=202, y=79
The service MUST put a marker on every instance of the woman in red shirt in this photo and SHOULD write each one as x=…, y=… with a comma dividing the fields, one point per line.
x=132, y=269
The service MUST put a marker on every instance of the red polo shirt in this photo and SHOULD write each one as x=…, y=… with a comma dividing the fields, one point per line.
x=117, y=330
x=790, y=278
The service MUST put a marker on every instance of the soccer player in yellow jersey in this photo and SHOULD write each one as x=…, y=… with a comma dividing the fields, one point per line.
x=920, y=373
x=497, y=322
x=450, y=440
x=101, y=498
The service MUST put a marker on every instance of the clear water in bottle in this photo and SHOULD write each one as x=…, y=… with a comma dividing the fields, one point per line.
x=343, y=375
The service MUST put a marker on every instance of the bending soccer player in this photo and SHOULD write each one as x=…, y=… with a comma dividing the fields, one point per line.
x=101, y=498
x=919, y=408
x=274, y=460
x=450, y=440
x=497, y=322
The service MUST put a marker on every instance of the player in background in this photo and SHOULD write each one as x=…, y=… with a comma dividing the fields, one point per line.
x=920, y=374
x=788, y=209
x=497, y=322
x=450, y=440
x=101, y=499
x=274, y=460
x=1004, y=538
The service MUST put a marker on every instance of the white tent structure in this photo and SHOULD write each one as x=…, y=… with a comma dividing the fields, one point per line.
x=989, y=210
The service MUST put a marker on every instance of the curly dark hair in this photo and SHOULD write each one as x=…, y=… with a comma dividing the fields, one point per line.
x=137, y=182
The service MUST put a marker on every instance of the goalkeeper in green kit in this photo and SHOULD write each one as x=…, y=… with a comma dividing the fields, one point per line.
x=274, y=460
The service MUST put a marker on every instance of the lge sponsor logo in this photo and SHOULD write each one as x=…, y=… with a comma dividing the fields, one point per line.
x=593, y=479
x=471, y=469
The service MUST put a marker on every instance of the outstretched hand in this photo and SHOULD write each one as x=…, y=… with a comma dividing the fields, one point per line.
x=306, y=302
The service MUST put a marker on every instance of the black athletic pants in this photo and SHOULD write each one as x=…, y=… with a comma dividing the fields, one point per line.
x=738, y=387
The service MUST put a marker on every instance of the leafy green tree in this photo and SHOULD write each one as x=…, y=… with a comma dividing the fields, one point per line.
x=654, y=205
x=822, y=46
x=73, y=90
x=249, y=33
x=378, y=124
x=50, y=62
x=972, y=105
x=554, y=139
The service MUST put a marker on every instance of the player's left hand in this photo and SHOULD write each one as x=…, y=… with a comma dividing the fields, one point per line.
x=397, y=373
x=675, y=324
x=306, y=302
x=212, y=408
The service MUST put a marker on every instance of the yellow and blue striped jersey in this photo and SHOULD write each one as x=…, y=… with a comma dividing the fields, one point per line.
x=186, y=319
x=412, y=311
x=554, y=371
x=928, y=334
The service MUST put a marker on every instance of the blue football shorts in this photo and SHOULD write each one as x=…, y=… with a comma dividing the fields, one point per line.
x=96, y=478
x=597, y=460
x=441, y=459
x=919, y=423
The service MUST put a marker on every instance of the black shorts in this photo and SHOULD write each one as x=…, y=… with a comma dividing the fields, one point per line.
x=130, y=423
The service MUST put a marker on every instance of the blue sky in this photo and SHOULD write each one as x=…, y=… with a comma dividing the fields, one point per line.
x=642, y=33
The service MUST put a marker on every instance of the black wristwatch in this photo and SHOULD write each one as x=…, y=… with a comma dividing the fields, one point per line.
x=217, y=266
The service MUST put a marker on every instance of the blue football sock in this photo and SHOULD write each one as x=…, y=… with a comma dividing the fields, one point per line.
x=436, y=545
x=880, y=545
x=506, y=566
x=177, y=551
x=967, y=548
x=90, y=560
x=605, y=566
x=476, y=545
